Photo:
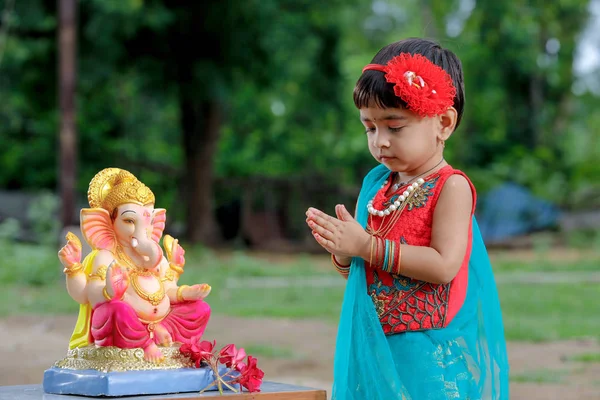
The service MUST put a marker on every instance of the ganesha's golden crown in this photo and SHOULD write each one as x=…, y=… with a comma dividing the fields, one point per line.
x=112, y=187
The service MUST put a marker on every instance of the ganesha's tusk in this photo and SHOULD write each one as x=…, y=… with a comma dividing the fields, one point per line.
x=134, y=242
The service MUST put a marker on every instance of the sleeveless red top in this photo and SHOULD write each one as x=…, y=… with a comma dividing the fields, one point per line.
x=406, y=304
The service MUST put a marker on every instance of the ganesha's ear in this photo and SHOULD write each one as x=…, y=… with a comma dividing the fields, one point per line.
x=97, y=228
x=159, y=217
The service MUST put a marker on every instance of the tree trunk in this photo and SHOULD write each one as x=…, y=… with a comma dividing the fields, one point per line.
x=201, y=123
x=68, y=133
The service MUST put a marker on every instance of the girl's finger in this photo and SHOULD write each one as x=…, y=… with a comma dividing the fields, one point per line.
x=323, y=220
x=321, y=231
x=318, y=224
x=321, y=214
x=327, y=244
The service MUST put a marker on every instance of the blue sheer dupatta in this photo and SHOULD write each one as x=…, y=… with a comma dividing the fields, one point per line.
x=467, y=359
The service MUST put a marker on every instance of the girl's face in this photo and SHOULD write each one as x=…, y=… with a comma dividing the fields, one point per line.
x=402, y=140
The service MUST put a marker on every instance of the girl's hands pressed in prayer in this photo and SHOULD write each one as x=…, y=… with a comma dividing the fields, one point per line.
x=342, y=236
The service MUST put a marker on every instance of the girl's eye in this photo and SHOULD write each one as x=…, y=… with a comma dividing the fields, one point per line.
x=370, y=130
x=396, y=129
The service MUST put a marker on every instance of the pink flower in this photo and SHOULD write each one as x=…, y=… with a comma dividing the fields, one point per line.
x=231, y=356
x=248, y=376
x=240, y=366
x=206, y=349
x=252, y=376
x=198, y=351
x=191, y=349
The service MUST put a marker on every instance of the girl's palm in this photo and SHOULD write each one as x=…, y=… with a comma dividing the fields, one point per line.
x=341, y=236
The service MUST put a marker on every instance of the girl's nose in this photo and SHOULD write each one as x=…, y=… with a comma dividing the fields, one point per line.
x=381, y=140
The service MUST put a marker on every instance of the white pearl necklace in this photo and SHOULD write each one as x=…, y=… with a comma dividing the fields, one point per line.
x=396, y=205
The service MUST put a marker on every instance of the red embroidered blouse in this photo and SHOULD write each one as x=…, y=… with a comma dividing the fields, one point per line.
x=406, y=304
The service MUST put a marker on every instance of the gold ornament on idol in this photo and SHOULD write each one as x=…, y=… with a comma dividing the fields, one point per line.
x=125, y=259
x=112, y=187
x=153, y=298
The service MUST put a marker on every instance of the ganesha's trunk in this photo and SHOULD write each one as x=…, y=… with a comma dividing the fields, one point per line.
x=201, y=123
x=148, y=249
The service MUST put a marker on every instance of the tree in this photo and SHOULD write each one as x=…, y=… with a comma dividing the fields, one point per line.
x=235, y=44
x=67, y=38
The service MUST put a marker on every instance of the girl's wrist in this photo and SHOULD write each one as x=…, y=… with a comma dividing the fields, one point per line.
x=342, y=260
x=365, y=250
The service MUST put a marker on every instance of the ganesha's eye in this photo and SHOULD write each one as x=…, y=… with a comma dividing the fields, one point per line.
x=128, y=221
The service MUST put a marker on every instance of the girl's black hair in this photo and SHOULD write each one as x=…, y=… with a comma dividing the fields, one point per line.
x=372, y=88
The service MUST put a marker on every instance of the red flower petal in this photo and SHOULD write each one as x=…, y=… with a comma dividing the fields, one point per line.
x=226, y=355
x=252, y=376
x=185, y=349
x=426, y=88
x=206, y=348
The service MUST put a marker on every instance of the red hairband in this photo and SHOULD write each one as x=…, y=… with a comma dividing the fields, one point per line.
x=425, y=87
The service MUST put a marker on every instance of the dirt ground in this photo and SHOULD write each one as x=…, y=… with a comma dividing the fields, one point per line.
x=30, y=344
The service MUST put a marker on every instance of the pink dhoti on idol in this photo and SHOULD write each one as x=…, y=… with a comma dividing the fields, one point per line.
x=115, y=323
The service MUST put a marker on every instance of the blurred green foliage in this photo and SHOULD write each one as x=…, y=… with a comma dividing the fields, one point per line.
x=284, y=71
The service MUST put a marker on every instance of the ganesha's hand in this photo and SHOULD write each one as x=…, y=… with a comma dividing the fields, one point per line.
x=70, y=254
x=117, y=280
x=175, y=253
x=195, y=292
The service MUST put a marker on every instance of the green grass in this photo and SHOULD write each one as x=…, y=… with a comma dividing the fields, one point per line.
x=543, y=263
x=269, y=351
x=540, y=376
x=532, y=312
x=50, y=299
x=586, y=358
x=31, y=265
x=550, y=312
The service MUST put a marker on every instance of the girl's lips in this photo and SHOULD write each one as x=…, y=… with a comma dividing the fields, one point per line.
x=385, y=158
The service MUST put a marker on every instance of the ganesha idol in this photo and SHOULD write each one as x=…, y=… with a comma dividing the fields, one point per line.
x=133, y=314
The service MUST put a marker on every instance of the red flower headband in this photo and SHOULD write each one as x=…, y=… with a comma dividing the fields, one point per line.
x=425, y=87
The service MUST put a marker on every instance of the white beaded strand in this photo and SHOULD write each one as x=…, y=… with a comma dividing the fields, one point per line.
x=396, y=205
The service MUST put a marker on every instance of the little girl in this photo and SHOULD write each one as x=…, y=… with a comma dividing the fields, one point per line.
x=421, y=318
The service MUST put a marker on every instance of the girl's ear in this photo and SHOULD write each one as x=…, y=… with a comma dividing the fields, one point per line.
x=447, y=123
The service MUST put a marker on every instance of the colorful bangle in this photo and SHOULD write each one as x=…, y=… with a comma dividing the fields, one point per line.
x=371, y=251
x=377, y=250
x=397, y=258
x=342, y=269
x=389, y=260
x=386, y=261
